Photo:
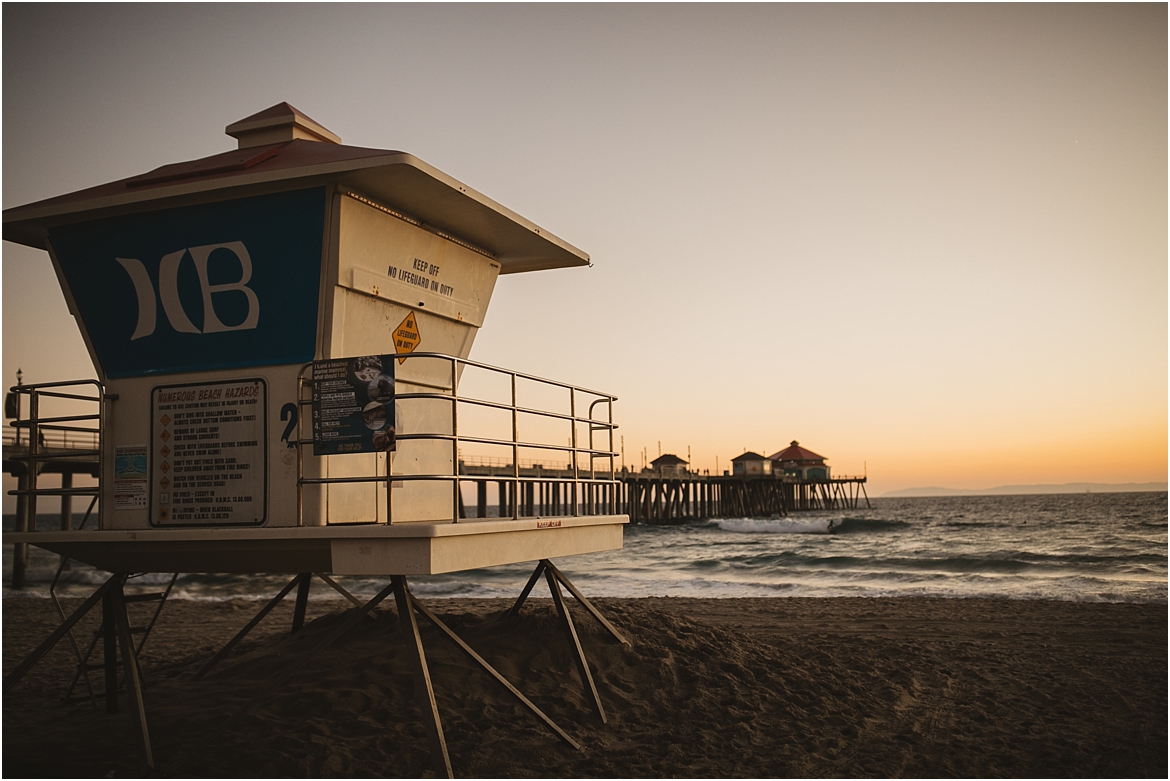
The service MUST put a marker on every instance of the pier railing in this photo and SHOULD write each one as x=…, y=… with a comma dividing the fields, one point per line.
x=73, y=440
x=493, y=463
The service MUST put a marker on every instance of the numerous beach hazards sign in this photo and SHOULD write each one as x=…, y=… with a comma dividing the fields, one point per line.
x=209, y=454
x=353, y=405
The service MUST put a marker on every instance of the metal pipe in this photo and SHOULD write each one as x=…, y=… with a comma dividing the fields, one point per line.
x=59, y=418
x=456, y=495
x=515, y=374
x=30, y=503
x=103, y=415
x=515, y=453
x=576, y=473
x=20, y=549
x=490, y=441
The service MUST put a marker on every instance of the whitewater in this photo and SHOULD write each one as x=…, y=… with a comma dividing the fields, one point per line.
x=1071, y=547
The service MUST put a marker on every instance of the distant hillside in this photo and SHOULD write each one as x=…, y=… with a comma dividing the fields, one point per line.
x=1063, y=488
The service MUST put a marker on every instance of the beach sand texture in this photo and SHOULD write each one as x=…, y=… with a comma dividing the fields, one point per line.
x=708, y=688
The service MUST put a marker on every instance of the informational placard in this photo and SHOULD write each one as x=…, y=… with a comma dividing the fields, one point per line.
x=130, y=477
x=353, y=405
x=209, y=454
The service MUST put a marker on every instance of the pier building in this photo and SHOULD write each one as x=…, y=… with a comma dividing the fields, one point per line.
x=668, y=465
x=750, y=464
x=799, y=463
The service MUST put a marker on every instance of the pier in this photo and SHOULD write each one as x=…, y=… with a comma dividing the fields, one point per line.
x=650, y=496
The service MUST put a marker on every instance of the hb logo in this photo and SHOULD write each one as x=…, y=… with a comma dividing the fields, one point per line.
x=168, y=291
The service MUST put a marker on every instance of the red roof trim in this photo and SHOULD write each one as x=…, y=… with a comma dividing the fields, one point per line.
x=228, y=162
x=796, y=453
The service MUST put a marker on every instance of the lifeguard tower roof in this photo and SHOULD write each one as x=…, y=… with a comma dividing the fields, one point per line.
x=281, y=148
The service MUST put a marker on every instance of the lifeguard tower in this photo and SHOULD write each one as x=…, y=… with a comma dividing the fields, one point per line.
x=281, y=335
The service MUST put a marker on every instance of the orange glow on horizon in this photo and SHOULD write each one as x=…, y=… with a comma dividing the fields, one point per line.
x=1135, y=456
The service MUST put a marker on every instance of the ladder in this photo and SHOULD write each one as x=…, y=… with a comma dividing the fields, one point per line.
x=107, y=635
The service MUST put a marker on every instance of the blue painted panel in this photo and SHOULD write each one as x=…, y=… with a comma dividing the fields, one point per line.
x=216, y=286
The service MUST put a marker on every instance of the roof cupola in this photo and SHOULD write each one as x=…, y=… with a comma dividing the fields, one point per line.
x=276, y=125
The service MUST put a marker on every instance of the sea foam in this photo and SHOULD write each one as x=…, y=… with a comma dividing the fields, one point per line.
x=777, y=526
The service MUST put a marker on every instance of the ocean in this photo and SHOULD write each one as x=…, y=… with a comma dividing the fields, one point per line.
x=1071, y=547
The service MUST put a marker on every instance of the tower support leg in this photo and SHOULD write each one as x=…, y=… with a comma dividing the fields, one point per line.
x=130, y=671
x=425, y=692
x=302, y=603
x=213, y=661
x=575, y=645
x=110, y=649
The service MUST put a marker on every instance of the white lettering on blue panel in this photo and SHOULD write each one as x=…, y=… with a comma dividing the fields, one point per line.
x=169, y=291
x=237, y=282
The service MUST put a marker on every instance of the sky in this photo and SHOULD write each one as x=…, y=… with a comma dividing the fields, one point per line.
x=927, y=241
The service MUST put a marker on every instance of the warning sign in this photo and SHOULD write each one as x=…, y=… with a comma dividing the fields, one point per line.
x=209, y=460
x=406, y=336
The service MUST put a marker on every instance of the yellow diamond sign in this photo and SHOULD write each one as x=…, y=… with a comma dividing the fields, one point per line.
x=406, y=336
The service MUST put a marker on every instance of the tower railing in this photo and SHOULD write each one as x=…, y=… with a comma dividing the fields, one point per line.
x=50, y=436
x=591, y=488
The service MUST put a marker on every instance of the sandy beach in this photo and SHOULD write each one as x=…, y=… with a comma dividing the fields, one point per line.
x=708, y=688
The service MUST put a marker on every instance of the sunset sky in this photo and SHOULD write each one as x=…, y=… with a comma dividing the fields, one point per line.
x=925, y=241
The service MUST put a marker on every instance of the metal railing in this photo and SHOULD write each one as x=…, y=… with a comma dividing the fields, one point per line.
x=72, y=440
x=591, y=490
x=497, y=462
x=41, y=439
x=828, y=479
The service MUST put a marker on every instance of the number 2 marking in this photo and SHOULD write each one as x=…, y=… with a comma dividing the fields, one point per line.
x=289, y=412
